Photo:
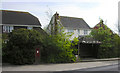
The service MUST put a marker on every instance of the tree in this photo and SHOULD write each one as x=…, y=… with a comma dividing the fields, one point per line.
x=63, y=47
x=0, y=43
x=61, y=38
x=75, y=46
x=104, y=35
x=116, y=44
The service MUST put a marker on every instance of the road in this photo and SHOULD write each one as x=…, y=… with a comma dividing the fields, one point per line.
x=82, y=67
x=103, y=69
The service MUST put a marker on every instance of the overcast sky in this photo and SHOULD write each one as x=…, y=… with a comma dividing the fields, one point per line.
x=89, y=10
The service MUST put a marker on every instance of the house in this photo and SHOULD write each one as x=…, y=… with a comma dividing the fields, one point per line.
x=11, y=20
x=71, y=24
x=101, y=24
x=88, y=46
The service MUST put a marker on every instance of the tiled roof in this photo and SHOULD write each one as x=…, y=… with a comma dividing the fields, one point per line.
x=18, y=17
x=72, y=22
x=101, y=24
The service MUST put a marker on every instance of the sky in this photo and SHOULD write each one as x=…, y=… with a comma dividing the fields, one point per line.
x=90, y=10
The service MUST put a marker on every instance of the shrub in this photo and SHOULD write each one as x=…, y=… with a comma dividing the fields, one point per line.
x=20, y=48
x=109, y=42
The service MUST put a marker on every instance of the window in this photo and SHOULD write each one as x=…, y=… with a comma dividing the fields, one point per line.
x=7, y=29
x=11, y=28
x=85, y=32
x=78, y=31
x=29, y=27
x=70, y=30
x=4, y=28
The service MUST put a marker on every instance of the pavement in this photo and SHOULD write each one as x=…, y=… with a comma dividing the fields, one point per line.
x=102, y=68
x=63, y=66
x=94, y=60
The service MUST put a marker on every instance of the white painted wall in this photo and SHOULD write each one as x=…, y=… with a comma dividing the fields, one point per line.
x=76, y=33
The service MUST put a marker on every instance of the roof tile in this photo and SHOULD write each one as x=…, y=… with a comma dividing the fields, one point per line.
x=72, y=22
x=18, y=17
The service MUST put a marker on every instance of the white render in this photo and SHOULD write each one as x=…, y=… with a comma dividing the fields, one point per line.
x=76, y=33
x=9, y=28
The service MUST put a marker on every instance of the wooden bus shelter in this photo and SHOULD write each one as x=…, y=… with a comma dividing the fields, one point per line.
x=88, y=47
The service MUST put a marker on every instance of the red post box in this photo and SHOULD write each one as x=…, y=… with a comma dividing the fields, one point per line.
x=37, y=52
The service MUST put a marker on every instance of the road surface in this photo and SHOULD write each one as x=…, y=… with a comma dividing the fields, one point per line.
x=102, y=69
x=83, y=67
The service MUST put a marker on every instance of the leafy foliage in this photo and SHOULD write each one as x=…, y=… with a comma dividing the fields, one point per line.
x=116, y=45
x=107, y=47
x=0, y=47
x=60, y=49
x=75, y=46
x=20, y=47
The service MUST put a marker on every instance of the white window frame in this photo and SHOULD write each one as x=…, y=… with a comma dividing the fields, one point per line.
x=70, y=30
x=85, y=32
x=4, y=28
x=78, y=31
x=11, y=28
x=7, y=28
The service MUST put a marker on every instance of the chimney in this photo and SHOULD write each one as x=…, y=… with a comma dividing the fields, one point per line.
x=56, y=27
x=101, y=21
x=57, y=15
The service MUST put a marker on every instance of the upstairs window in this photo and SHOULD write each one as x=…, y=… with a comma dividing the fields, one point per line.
x=70, y=30
x=7, y=29
x=4, y=28
x=78, y=31
x=85, y=32
x=29, y=28
x=11, y=28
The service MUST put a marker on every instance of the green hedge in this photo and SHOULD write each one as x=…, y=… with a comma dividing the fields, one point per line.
x=20, y=49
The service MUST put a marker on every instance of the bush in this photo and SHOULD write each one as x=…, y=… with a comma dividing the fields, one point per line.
x=55, y=50
x=109, y=42
x=20, y=48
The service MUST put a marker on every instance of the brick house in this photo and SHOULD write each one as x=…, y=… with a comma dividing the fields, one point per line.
x=101, y=24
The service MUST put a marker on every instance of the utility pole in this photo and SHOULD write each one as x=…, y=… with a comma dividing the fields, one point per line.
x=118, y=18
x=78, y=49
x=80, y=39
x=118, y=28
